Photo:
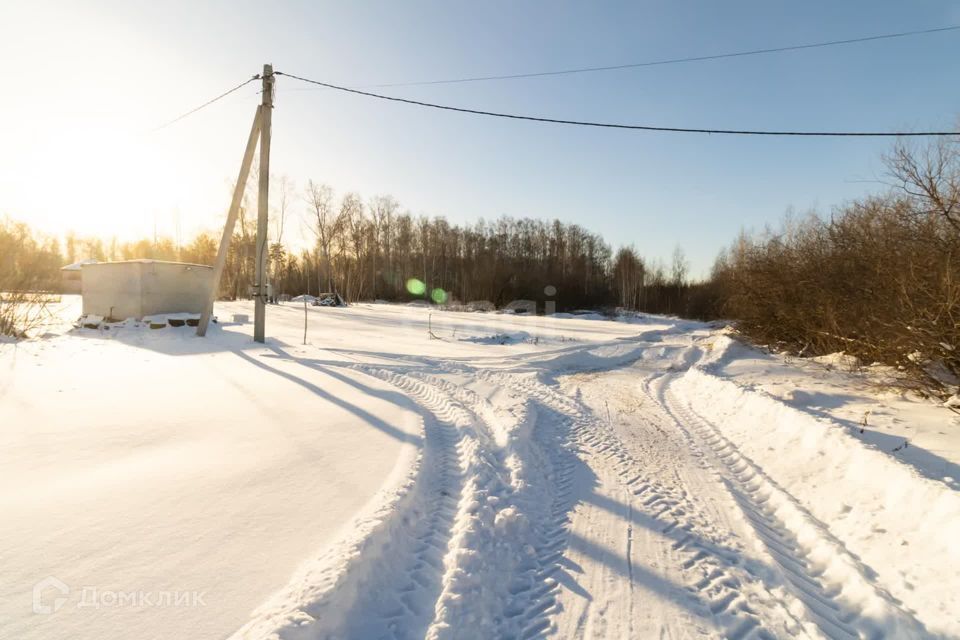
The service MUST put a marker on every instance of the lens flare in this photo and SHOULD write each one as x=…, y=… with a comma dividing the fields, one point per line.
x=416, y=287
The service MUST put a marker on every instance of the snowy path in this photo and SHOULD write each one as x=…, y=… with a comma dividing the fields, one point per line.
x=596, y=505
x=594, y=482
x=677, y=476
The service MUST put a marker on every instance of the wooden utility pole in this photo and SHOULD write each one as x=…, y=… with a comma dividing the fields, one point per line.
x=260, y=286
x=231, y=221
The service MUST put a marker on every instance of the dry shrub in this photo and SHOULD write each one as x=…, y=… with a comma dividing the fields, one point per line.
x=23, y=312
x=880, y=280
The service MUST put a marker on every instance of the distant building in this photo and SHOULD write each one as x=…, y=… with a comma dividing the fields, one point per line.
x=70, y=276
x=522, y=306
x=138, y=288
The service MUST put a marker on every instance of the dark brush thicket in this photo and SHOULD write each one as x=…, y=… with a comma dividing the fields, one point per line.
x=879, y=279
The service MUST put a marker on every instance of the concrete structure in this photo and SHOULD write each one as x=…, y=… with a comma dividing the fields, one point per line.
x=522, y=306
x=70, y=276
x=138, y=288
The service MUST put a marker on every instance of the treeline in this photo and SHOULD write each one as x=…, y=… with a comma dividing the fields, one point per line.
x=371, y=250
x=368, y=250
x=879, y=279
x=28, y=261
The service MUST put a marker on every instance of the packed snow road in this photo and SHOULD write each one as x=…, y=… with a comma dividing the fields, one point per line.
x=492, y=477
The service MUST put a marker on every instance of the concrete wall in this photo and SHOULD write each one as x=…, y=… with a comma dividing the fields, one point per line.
x=171, y=287
x=138, y=288
x=112, y=289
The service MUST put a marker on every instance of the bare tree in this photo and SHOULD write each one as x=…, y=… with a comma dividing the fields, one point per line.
x=353, y=227
x=628, y=273
x=679, y=267
x=319, y=198
x=285, y=188
x=931, y=176
x=382, y=211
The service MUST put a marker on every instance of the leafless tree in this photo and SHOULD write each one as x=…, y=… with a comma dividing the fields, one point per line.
x=319, y=199
x=931, y=176
x=679, y=267
x=382, y=211
x=285, y=189
x=628, y=274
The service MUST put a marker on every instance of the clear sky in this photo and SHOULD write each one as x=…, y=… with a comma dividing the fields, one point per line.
x=83, y=84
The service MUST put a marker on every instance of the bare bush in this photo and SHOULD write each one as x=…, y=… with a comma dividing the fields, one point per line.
x=29, y=271
x=879, y=280
x=23, y=312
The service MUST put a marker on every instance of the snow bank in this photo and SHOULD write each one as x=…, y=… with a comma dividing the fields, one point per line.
x=323, y=588
x=588, y=314
x=903, y=526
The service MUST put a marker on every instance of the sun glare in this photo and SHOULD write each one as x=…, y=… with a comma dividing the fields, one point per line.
x=106, y=182
x=101, y=180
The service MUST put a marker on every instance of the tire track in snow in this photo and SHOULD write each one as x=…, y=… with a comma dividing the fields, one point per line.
x=722, y=593
x=723, y=589
x=420, y=582
x=527, y=470
x=481, y=535
x=834, y=587
x=393, y=596
x=552, y=532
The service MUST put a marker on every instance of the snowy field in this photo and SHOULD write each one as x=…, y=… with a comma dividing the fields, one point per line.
x=506, y=477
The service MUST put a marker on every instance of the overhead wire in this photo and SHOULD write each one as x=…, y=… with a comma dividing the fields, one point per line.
x=667, y=61
x=610, y=125
x=207, y=103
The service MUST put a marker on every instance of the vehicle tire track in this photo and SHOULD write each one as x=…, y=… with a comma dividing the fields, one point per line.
x=715, y=580
x=490, y=547
x=834, y=587
x=395, y=597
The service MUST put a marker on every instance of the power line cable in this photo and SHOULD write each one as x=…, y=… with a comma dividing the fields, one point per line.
x=886, y=36
x=655, y=63
x=207, y=103
x=608, y=125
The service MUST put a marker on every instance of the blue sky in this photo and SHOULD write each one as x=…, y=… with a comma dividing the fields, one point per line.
x=91, y=80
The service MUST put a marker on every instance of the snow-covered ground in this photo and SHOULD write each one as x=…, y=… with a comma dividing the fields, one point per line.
x=410, y=473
